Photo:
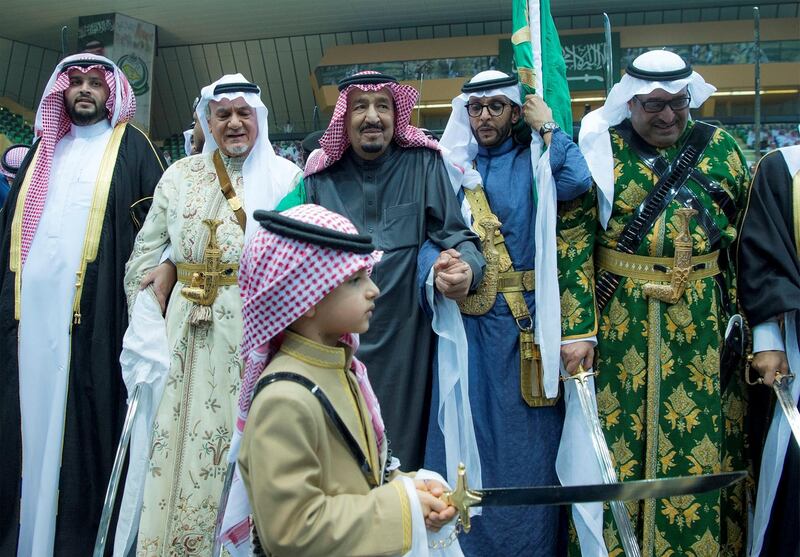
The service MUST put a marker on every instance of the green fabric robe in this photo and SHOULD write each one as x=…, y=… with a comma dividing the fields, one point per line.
x=658, y=388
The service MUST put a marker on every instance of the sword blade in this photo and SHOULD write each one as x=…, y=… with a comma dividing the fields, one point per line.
x=116, y=473
x=609, y=53
x=621, y=491
x=618, y=510
x=216, y=549
x=784, y=394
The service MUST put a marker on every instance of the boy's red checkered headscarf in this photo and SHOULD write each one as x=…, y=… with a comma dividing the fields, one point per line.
x=335, y=141
x=53, y=123
x=280, y=279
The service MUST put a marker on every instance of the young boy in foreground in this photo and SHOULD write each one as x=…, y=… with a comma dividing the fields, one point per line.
x=313, y=457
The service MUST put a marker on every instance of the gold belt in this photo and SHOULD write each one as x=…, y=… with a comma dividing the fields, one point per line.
x=516, y=281
x=500, y=277
x=647, y=268
x=227, y=273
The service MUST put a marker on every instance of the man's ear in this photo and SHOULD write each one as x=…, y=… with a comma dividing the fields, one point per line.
x=515, y=114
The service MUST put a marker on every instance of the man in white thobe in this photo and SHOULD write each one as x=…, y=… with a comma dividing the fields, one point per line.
x=69, y=224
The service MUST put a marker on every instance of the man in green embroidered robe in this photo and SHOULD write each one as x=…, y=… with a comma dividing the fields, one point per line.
x=667, y=406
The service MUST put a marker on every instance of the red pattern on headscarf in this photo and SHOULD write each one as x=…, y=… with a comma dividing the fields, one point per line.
x=282, y=278
x=279, y=280
x=335, y=140
x=55, y=125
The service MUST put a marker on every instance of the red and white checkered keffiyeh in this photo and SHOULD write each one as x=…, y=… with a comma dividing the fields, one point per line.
x=335, y=141
x=53, y=123
x=279, y=280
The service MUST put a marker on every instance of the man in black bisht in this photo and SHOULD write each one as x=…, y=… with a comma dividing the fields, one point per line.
x=390, y=180
x=65, y=235
x=769, y=288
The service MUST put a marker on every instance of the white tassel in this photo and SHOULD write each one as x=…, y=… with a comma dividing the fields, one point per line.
x=200, y=315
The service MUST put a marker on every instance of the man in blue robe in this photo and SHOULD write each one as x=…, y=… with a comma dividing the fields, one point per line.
x=518, y=429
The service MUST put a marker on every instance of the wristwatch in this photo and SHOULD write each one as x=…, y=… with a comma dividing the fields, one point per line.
x=548, y=127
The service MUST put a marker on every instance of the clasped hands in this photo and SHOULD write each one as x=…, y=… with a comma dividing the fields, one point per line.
x=437, y=513
x=452, y=276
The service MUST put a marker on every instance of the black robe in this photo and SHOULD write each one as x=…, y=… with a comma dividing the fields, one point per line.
x=769, y=286
x=402, y=199
x=96, y=394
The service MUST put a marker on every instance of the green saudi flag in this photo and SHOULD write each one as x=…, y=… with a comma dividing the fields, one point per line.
x=538, y=58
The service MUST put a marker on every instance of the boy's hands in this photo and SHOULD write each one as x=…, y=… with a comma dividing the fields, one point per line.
x=436, y=512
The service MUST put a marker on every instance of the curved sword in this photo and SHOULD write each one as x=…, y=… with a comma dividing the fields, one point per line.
x=116, y=474
x=216, y=549
x=609, y=52
x=783, y=391
x=609, y=474
x=462, y=498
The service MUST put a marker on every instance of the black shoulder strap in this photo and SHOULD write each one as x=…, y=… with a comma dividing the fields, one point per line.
x=330, y=411
x=646, y=152
x=670, y=181
x=666, y=188
x=718, y=194
x=687, y=198
x=651, y=158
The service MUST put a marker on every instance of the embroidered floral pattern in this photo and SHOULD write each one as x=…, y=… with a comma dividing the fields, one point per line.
x=192, y=431
x=658, y=388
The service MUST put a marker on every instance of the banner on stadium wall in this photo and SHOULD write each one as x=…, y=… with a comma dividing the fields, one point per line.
x=584, y=55
x=130, y=43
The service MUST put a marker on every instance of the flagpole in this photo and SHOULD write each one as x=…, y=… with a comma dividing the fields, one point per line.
x=757, y=108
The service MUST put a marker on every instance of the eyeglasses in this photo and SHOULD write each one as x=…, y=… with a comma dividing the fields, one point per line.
x=495, y=108
x=654, y=106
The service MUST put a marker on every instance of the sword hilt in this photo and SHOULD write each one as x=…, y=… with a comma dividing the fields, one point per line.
x=779, y=377
x=581, y=376
x=462, y=498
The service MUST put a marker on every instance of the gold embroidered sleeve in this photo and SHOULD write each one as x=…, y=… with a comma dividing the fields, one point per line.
x=153, y=237
x=575, y=235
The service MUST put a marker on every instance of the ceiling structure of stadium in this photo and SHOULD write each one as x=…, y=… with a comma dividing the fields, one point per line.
x=280, y=43
x=182, y=22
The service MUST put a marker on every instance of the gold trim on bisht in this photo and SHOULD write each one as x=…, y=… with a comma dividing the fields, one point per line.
x=94, y=227
x=97, y=213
